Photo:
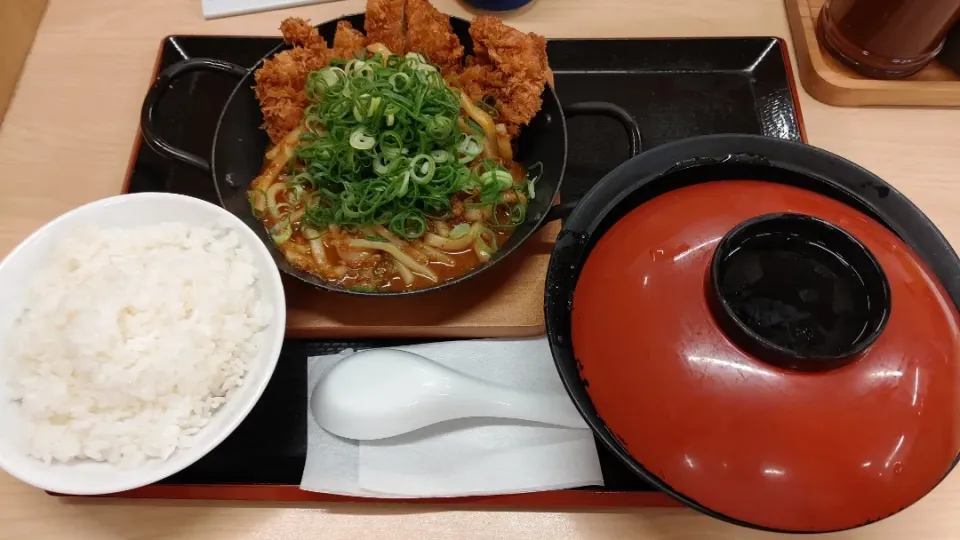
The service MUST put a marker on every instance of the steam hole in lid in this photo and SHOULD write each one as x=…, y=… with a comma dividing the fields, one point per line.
x=795, y=293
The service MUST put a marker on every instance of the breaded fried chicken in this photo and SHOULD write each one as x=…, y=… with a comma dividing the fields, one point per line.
x=281, y=80
x=299, y=32
x=347, y=41
x=429, y=33
x=510, y=67
x=384, y=24
x=280, y=89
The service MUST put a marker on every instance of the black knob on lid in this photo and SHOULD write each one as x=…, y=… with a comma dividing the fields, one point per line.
x=798, y=292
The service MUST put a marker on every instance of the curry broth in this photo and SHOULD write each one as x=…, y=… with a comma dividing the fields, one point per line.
x=376, y=272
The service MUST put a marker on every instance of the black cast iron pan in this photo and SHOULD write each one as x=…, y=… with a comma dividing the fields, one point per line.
x=239, y=144
x=706, y=159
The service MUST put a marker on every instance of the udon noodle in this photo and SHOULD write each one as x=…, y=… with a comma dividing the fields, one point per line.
x=393, y=181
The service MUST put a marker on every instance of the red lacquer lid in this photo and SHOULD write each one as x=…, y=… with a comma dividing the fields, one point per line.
x=771, y=354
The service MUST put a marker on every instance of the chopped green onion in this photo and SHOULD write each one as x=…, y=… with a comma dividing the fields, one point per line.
x=469, y=147
x=472, y=124
x=480, y=245
x=404, y=184
x=363, y=288
x=440, y=127
x=399, y=81
x=516, y=214
x=459, y=231
x=501, y=177
x=295, y=194
x=374, y=105
x=384, y=146
x=329, y=79
x=383, y=166
x=273, y=192
x=333, y=76
x=391, y=145
x=488, y=108
x=532, y=179
x=258, y=202
x=408, y=225
x=360, y=68
x=281, y=231
x=362, y=141
x=422, y=168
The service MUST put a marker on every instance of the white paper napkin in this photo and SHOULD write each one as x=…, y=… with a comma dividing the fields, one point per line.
x=214, y=9
x=462, y=457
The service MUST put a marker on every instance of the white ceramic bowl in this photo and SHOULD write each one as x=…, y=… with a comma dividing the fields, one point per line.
x=93, y=478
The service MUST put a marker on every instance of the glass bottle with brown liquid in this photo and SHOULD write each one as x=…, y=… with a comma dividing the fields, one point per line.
x=886, y=39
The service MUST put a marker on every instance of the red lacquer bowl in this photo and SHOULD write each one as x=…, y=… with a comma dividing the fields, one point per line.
x=769, y=354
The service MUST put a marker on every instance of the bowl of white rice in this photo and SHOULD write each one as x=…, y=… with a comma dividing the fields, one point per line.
x=136, y=333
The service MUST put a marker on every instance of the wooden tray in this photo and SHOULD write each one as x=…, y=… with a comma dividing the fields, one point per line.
x=827, y=80
x=567, y=499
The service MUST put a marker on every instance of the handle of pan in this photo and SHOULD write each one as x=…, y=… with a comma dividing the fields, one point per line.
x=598, y=108
x=165, y=79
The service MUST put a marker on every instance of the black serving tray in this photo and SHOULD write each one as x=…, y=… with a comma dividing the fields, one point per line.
x=675, y=88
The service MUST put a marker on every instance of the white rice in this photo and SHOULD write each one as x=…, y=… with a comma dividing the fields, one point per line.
x=132, y=339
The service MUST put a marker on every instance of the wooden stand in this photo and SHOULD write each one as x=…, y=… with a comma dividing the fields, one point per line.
x=504, y=301
x=19, y=20
x=824, y=78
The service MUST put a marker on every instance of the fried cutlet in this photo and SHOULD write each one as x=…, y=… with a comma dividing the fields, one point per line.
x=508, y=66
x=384, y=24
x=299, y=32
x=429, y=33
x=347, y=41
x=280, y=82
x=279, y=88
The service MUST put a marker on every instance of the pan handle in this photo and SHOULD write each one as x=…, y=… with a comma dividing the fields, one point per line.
x=598, y=108
x=164, y=80
x=616, y=112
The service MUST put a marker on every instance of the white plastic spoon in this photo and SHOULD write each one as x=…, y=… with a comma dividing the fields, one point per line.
x=382, y=393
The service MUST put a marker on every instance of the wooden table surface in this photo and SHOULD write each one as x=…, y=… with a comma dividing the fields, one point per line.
x=67, y=137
